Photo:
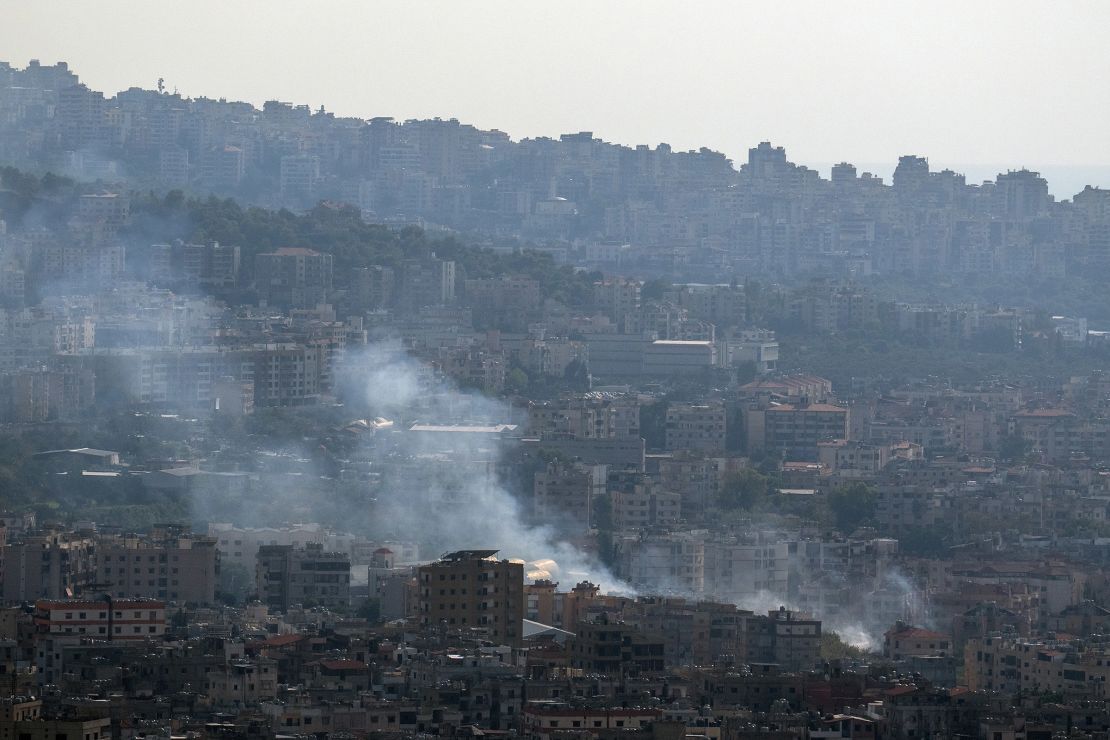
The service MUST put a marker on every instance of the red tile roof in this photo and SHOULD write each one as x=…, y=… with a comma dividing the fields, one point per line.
x=282, y=640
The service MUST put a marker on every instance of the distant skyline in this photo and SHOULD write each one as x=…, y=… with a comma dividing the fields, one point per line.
x=976, y=87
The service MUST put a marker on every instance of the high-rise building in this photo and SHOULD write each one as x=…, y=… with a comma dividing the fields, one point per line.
x=1022, y=194
x=222, y=166
x=293, y=277
x=309, y=576
x=796, y=429
x=426, y=283
x=696, y=427
x=911, y=174
x=300, y=173
x=171, y=564
x=48, y=565
x=60, y=623
x=562, y=495
x=473, y=590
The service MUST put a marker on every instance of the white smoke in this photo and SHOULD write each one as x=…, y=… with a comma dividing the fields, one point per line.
x=445, y=491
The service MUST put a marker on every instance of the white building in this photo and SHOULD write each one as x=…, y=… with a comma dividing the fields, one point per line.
x=670, y=357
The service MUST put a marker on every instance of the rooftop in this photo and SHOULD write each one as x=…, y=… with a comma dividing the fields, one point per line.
x=467, y=555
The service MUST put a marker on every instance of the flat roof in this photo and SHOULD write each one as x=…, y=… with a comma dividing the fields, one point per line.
x=683, y=342
x=468, y=555
x=464, y=428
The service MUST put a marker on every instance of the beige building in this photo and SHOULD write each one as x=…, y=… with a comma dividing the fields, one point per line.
x=796, y=429
x=644, y=505
x=62, y=622
x=853, y=459
x=905, y=641
x=696, y=427
x=562, y=495
x=171, y=564
x=1009, y=665
x=51, y=565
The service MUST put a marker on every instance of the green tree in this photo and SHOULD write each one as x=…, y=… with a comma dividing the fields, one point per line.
x=1013, y=447
x=653, y=289
x=743, y=490
x=852, y=506
x=746, y=372
x=516, y=381
x=833, y=647
x=925, y=542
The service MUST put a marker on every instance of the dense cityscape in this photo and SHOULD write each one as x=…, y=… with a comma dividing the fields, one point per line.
x=324, y=426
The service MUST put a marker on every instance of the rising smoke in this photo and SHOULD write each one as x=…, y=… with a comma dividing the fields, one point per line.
x=445, y=490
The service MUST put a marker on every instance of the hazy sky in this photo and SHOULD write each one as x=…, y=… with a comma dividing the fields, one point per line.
x=967, y=83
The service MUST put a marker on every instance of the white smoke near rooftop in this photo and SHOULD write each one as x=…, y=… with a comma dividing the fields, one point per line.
x=444, y=489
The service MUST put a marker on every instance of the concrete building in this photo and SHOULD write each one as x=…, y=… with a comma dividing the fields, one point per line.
x=49, y=565
x=796, y=429
x=562, y=496
x=663, y=562
x=797, y=640
x=300, y=174
x=21, y=717
x=238, y=546
x=695, y=427
x=293, y=277
x=60, y=623
x=586, y=418
x=472, y=590
x=547, y=721
x=640, y=504
x=615, y=649
x=287, y=575
x=616, y=355
x=904, y=641
x=756, y=346
x=1011, y=665
x=171, y=564
x=426, y=283
x=743, y=571
x=617, y=298
x=222, y=166
x=666, y=358
x=853, y=459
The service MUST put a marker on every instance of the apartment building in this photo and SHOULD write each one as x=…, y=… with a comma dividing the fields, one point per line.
x=171, y=564
x=796, y=429
x=47, y=565
x=293, y=277
x=287, y=575
x=60, y=623
x=696, y=427
x=563, y=494
x=615, y=649
x=472, y=590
